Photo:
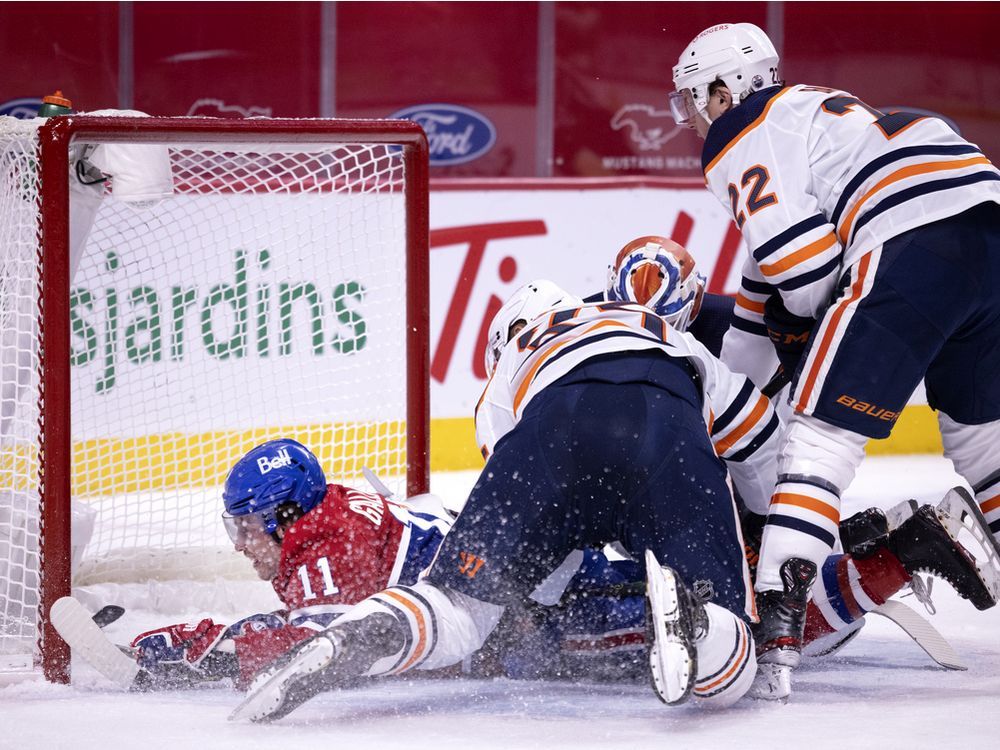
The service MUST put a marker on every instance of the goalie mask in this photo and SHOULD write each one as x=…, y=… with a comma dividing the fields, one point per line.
x=660, y=274
x=266, y=480
x=527, y=303
x=738, y=54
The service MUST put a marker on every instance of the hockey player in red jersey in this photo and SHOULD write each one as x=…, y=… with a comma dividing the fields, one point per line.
x=874, y=261
x=324, y=547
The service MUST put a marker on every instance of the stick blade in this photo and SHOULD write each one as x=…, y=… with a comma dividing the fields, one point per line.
x=922, y=632
x=76, y=626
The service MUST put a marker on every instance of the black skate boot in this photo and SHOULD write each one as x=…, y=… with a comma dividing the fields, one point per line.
x=864, y=532
x=924, y=544
x=782, y=614
x=778, y=635
x=675, y=621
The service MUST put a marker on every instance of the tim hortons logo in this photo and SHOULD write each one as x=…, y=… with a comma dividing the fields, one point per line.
x=266, y=464
x=649, y=128
x=477, y=238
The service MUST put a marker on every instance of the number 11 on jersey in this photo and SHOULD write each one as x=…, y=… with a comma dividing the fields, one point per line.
x=329, y=587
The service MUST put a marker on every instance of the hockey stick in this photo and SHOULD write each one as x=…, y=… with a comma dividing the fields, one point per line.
x=922, y=632
x=83, y=634
x=779, y=380
x=376, y=483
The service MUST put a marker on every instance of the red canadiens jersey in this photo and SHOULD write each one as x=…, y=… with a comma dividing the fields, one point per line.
x=350, y=546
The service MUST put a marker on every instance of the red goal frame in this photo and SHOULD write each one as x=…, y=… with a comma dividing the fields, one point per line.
x=55, y=441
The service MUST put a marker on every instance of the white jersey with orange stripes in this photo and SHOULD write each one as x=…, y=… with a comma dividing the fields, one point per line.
x=739, y=419
x=816, y=179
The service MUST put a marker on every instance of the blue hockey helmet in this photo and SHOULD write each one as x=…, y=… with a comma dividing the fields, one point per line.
x=272, y=474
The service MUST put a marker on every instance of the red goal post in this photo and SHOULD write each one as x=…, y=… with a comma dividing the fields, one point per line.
x=152, y=379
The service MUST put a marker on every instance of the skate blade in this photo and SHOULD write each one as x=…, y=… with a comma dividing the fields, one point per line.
x=268, y=692
x=773, y=682
x=671, y=658
x=959, y=512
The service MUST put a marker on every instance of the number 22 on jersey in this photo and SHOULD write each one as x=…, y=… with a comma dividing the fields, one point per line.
x=329, y=587
x=752, y=187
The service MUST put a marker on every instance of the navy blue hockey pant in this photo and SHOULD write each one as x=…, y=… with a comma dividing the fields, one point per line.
x=931, y=311
x=594, y=460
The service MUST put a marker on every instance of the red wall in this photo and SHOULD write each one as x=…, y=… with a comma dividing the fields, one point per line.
x=608, y=79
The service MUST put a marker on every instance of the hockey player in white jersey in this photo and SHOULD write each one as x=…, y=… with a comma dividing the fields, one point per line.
x=600, y=423
x=874, y=243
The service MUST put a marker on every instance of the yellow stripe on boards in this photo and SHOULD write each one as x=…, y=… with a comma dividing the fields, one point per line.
x=453, y=441
x=916, y=431
x=453, y=445
x=157, y=462
x=174, y=460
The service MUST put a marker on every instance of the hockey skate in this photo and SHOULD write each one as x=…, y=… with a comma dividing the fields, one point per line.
x=778, y=635
x=283, y=687
x=927, y=543
x=961, y=515
x=675, y=620
x=332, y=659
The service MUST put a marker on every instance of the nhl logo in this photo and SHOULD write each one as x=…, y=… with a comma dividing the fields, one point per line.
x=704, y=590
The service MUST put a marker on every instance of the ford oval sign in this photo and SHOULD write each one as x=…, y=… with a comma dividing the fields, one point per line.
x=455, y=135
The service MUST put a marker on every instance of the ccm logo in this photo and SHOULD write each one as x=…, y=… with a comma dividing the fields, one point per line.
x=790, y=338
x=870, y=409
x=265, y=464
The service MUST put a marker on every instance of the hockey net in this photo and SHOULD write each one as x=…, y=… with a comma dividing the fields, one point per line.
x=229, y=282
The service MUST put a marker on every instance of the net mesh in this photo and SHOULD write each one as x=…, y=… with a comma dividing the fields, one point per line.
x=264, y=297
x=19, y=412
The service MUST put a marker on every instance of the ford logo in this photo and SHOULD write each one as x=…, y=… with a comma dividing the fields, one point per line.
x=455, y=135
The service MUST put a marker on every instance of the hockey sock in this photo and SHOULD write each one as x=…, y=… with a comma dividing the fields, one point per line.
x=726, y=659
x=848, y=588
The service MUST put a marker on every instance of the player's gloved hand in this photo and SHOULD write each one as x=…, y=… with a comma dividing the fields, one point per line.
x=789, y=333
x=178, y=656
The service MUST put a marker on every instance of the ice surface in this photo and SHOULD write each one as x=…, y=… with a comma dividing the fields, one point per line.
x=881, y=691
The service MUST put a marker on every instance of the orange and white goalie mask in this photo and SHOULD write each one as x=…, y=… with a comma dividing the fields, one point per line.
x=660, y=274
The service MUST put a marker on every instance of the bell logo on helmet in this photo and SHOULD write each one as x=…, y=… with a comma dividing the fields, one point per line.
x=265, y=464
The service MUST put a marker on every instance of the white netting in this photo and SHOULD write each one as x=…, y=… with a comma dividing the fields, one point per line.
x=19, y=414
x=265, y=297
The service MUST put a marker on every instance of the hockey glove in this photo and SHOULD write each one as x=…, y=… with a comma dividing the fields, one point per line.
x=178, y=656
x=789, y=333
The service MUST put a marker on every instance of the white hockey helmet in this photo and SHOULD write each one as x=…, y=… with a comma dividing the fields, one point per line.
x=660, y=274
x=738, y=54
x=527, y=303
